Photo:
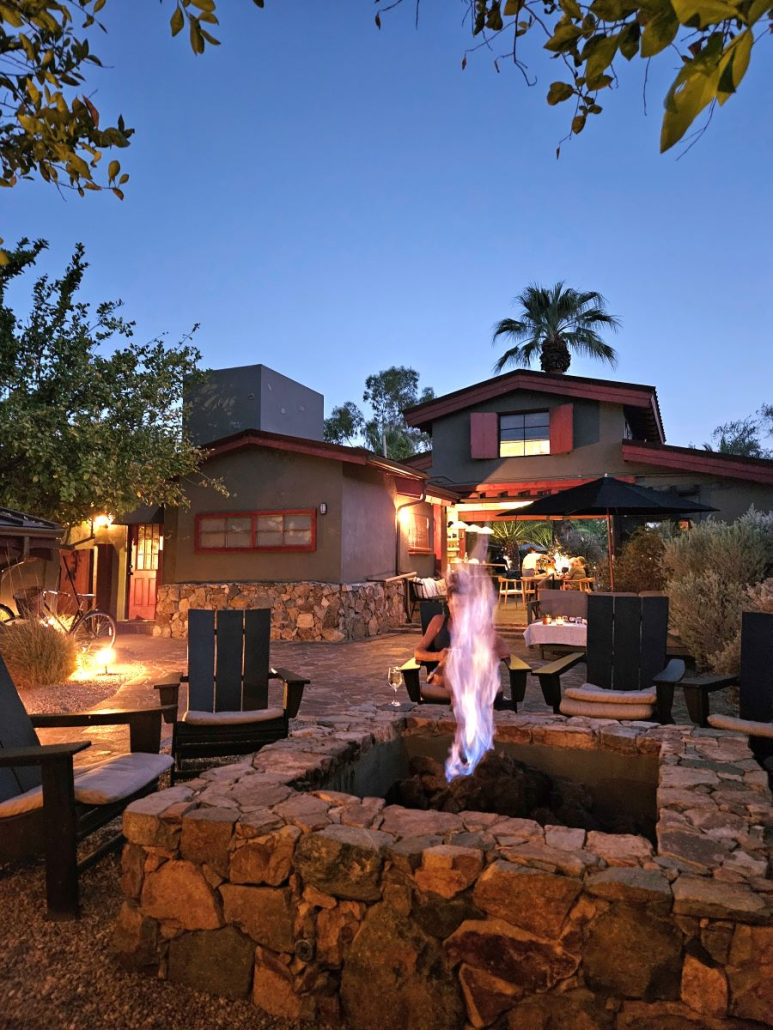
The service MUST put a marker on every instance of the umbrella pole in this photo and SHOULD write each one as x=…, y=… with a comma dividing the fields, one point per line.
x=610, y=551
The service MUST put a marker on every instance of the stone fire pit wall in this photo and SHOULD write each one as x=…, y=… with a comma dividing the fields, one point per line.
x=320, y=905
x=299, y=611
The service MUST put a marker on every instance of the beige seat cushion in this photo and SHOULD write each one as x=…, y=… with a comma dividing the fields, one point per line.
x=588, y=692
x=99, y=784
x=195, y=718
x=597, y=710
x=747, y=726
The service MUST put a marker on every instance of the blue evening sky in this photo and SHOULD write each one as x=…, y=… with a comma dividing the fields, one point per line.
x=329, y=200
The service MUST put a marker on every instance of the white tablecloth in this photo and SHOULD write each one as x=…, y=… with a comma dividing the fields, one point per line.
x=573, y=634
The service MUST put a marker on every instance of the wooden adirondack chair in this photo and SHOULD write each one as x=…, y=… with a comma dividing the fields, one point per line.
x=755, y=681
x=47, y=807
x=228, y=676
x=425, y=693
x=628, y=676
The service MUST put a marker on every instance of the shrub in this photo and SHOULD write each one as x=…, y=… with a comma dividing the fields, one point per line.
x=37, y=655
x=709, y=571
x=638, y=566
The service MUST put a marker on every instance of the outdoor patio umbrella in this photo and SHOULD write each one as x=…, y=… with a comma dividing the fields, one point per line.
x=607, y=497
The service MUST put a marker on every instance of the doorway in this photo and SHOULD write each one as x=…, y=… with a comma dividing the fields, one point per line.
x=144, y=567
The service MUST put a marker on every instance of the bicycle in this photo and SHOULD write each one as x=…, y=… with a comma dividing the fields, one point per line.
x=91, y=628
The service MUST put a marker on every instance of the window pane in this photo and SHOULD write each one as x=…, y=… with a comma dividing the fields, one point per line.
x=538, y=418
x=270, y=524
x=212, y=539
x=212, y=525
x=511, y=422
x=511, y=449
x=537, y=447
x=297, y=522
x=240, y=525
x=535, y=433
x=297, y=537
x=270, y=539
x=239, y=539
x=511, y=434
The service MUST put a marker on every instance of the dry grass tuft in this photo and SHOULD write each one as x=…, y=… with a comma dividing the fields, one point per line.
x=37, y=655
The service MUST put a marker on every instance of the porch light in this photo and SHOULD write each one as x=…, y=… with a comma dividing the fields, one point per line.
x=404, y=516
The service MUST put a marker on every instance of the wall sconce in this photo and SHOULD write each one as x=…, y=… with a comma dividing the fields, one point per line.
x=102, y=521
x=323, y=508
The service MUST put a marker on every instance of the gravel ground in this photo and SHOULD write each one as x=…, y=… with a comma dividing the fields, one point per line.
x=78, y=695
x=61, y=976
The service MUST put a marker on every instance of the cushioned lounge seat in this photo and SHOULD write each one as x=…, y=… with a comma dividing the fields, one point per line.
x=198, y=718
x=596, y=702
x=103, y=783
x=747, y=726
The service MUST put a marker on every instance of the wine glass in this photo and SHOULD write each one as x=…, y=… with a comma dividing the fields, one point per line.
x=395, y=678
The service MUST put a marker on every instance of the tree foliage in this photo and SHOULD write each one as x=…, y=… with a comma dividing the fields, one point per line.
x=552, y=323
x=386, y=432
x=713, y=41
x=81, y=432
x=742, y=436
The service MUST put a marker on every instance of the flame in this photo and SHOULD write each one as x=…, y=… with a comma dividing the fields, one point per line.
x=472, y=670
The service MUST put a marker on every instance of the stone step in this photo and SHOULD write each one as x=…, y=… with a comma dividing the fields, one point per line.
x=136, y=627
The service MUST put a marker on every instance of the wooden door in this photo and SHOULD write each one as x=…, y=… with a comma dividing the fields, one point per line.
x=145, y=556
x=81, y=566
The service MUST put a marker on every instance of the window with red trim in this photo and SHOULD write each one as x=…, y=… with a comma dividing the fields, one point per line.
x=418, y=533
x=293, y=530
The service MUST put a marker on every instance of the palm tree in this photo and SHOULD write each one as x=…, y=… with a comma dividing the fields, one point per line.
x=553, y=323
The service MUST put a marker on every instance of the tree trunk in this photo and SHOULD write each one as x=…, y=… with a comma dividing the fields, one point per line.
x=555, y=358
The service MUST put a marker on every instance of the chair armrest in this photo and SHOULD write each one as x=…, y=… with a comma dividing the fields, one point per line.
x=40, y=754
x=672, y=673
x=293, y=689
x=410, y=665
x=709, y=683
x=516, y=664
x=144, y=723
x=518, y=671
x=560, y=665
x=410, y=671
x=169, y=694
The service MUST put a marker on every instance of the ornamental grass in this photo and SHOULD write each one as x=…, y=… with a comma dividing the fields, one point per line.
x=37, y=655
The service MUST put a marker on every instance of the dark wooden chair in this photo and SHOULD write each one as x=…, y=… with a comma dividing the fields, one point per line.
x=755, y=680
x=47, y=807
x=417, y=595
x=628, y=675
x=425, y=693
x=228, y=677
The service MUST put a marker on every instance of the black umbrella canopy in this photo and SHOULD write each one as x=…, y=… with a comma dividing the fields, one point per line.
x=610, y=496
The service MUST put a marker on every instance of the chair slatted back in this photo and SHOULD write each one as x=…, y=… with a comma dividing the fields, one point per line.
x=228, y=659
x=626, y=644
x=756, y=701
x=16, y=730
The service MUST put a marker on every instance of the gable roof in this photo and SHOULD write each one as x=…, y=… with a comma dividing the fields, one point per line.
x=640, y=402
x=690, y=459
x=314, y=448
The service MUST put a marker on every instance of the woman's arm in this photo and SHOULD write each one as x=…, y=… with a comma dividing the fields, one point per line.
x=501, y=647
x=422, y=654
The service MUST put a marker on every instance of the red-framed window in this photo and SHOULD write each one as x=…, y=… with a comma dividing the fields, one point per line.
x=418, y=533
x=287, y=530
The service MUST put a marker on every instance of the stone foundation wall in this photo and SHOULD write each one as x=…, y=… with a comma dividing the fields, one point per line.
x=299, y=611
x=320, y=905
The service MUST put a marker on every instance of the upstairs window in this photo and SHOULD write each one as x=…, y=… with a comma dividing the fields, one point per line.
x=524, y=435
x=257, y=531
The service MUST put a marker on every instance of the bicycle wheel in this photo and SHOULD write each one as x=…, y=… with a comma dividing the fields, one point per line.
x=6, y=614
x=96, y=630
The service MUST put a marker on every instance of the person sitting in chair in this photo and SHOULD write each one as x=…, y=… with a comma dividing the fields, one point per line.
x=576, y=570
x=434, y=645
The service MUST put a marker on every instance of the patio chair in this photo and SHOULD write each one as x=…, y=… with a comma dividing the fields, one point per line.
x=228, y=677
x=628, y=676
x=47, y=807
x=425, y=693
x=755, y=680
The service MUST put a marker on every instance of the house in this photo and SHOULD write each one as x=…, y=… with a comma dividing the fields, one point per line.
x=321, y=533
x=501, y=443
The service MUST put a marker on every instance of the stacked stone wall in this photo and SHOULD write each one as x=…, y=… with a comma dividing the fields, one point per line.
x=299, y=611
x=323, y=906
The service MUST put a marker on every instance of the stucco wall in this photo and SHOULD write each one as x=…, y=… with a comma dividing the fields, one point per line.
x=368, y=524
x=260, y=479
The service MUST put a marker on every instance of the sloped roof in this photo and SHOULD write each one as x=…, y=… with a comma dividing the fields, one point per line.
x=708, y=463
x=640, y=402
x=18, y=523
x=315, y=448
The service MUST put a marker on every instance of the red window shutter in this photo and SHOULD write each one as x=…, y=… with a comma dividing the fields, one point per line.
x=484, y=434
x=562, y=429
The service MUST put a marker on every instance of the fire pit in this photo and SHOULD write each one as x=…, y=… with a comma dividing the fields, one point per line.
x=291, y=878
